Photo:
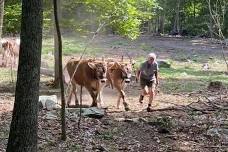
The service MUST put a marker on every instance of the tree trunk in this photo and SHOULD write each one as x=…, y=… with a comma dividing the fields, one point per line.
x=176, y=26
x=1, y=16
x=162, y=22
x=59, y=40
x=210, y=27
x=56, y=49
x=23, y=129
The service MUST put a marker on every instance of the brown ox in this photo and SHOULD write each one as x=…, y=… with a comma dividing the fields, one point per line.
x=119, y=73
x=89, y=74
x=10, y=51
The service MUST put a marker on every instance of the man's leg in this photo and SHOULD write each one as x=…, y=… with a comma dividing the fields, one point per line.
x=151, y=97
x=144, y=91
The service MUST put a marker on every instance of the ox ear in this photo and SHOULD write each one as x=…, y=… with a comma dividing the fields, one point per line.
x=91, y=65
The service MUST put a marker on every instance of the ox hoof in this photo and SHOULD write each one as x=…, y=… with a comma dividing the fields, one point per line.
x=149, y=109
x=127, y=108
x=141, y=99
x=94, y=105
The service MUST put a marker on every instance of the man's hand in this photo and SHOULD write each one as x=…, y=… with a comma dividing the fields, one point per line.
x=137, y=75
x=157, y=83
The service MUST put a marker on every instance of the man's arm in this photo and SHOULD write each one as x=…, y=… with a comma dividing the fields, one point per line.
x=138, y=75
x=138, y=72
x=156, y=76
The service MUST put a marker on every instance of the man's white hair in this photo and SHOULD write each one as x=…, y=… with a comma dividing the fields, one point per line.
x=152, y=55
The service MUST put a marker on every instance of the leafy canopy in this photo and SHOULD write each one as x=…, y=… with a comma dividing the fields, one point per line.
x=123, y=16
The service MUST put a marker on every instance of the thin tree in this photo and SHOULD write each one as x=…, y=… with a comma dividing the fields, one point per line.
x=23, y=130
x=1, y=16
x=176, y=26
x=56, y=46
x=60, y=74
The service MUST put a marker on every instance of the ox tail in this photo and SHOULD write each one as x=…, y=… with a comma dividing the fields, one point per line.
x=80, y=113
x=66, y=75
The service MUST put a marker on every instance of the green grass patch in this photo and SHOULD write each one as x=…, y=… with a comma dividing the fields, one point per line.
x=146, y=47
x=122, y=42
x=71, y=45
x=47, y=45
x=5, y=75
x=187, y=79
x=178, y=86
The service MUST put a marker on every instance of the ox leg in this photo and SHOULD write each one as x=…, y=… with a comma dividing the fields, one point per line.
x=75, y=95
x=100, y=99
x=122, y=95
x=72, y=91
x=126, y=107
x=100, y=96
x=118, y=101
x=3, y=57
x=17, y=61
x=69, y=97
x=94, y=95
x=117, y=85
x=14, y=61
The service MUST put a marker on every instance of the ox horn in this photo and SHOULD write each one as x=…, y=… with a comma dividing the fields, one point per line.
x=122, y=58
x=130, y=58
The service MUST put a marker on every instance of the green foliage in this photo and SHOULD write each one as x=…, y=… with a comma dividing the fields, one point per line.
x=12, y=18
x=194, y=15
x=123, y=17
x=71, y=45
x=47, y=16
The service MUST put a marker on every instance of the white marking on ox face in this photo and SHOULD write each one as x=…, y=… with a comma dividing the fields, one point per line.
x=129, y=75
x=127, y=70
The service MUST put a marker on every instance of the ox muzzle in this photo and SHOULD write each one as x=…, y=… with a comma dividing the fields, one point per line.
x=103, y=80
x=127, y=78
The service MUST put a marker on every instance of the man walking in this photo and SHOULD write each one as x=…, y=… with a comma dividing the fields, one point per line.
x=148, y=76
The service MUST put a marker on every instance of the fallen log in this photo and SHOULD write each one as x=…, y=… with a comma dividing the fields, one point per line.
x=47, y=72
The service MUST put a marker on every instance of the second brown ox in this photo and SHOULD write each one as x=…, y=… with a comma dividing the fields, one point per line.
x=118, y=74
x=89, y=74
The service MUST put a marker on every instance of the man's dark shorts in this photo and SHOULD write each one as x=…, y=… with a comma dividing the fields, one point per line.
x=148, y=83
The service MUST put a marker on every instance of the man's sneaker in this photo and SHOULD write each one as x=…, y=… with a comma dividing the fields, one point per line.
x=149, y=109
x=141, y=99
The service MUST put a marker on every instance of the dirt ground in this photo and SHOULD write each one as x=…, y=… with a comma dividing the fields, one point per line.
x=183, y=122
